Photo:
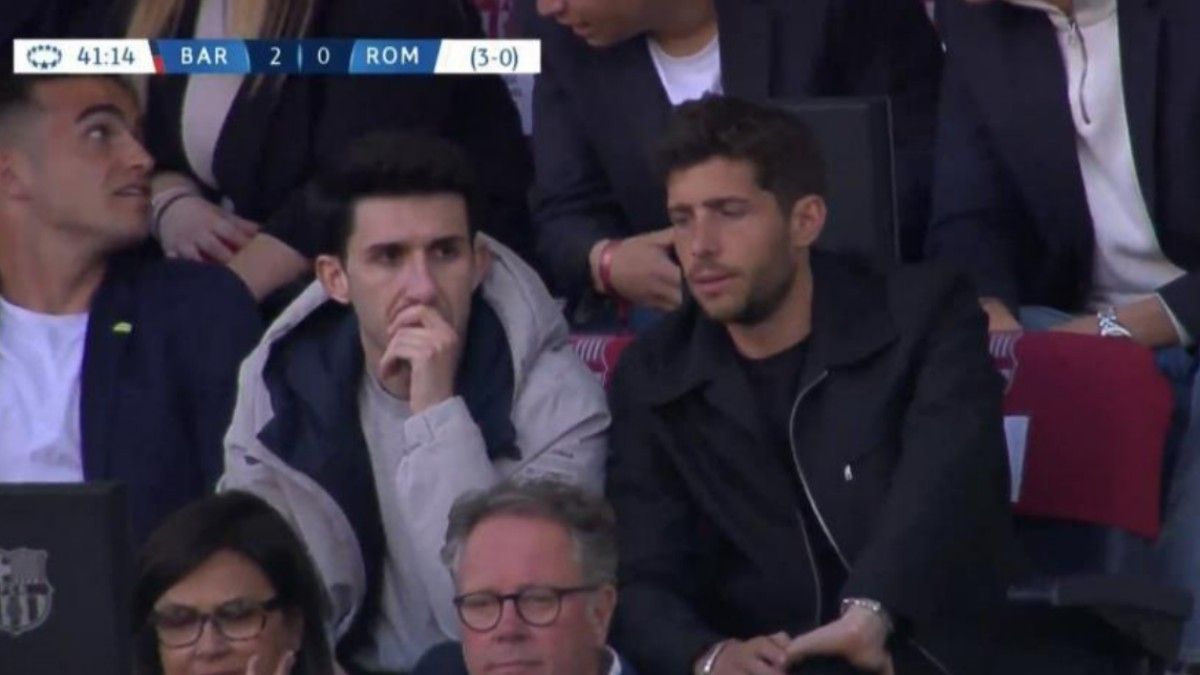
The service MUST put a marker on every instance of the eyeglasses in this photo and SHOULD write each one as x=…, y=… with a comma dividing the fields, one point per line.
x=536, y=605
x=234, y=620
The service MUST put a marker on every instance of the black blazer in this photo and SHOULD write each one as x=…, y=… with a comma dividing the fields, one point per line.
x=598, y=113
x=160, y=365
x=1009, y=200
x=898, y=433
x=274, y=138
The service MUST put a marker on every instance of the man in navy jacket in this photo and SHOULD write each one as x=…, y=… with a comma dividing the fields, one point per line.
x=114, y=364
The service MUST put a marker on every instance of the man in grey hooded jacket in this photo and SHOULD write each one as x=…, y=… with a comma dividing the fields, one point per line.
x=426, y=361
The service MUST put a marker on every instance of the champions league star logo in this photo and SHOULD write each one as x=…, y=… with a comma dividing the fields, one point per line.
x=44, y=57
x=25, y=592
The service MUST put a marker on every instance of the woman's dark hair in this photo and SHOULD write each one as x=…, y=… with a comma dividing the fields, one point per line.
x=242, y=523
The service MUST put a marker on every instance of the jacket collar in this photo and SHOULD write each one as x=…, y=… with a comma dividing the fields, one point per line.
x=851, y=321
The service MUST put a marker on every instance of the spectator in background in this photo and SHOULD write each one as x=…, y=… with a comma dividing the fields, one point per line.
x=551, y=550
x=225, y=586
x=114, y=364
x=612, y=69
x=233, y=152
x=1068, y=188
x=808, y=460
x=426, y=361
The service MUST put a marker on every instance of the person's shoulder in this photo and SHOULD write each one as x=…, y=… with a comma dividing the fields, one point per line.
x=659, y=353
x=189, y=281
x=170, y=292
x=924, y=291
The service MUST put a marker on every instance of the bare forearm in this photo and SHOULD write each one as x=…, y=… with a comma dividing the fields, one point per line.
x=266, y=264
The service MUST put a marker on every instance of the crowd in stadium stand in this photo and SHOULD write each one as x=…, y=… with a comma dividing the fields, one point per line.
x=333, y=334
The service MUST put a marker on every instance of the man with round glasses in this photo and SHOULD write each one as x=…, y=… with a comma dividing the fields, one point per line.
x=535, y=568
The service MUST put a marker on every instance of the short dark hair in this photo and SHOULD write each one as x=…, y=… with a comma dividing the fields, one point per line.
x=242, y=523
x=388, y=164
x=16, y=89
x=786, y=158
x=587, y=518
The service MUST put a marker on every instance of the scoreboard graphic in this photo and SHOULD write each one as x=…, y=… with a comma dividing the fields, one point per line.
x=278, y=57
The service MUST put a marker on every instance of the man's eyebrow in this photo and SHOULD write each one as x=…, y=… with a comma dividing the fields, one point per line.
x=448, y=239
x=99, y=109
x=718, y=202
x=388, y=245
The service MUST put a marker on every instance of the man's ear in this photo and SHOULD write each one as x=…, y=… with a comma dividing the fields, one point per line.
x=483, y=261
x=601, y=612
x=16, y=173
x=333, y=277
x=807, y=220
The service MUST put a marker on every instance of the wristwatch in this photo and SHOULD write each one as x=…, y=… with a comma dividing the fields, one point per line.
x=1109, y=326
x=873, y=606
x=709, y=661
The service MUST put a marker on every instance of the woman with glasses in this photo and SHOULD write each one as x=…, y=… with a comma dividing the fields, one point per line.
x=224, y=586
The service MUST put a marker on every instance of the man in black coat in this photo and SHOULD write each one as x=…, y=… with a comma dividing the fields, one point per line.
x=808, y=457
x=114, y=364
x=612, y=69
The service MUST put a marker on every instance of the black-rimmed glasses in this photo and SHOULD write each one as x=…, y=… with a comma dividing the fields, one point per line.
x=234, y=620
x=536, y=605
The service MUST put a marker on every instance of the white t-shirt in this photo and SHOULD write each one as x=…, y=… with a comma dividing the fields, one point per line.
x=686, y=78
x=41, y=360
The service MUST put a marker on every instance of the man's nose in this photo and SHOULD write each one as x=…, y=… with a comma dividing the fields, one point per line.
x=419, y=285
x=137, y=157
x=705, y=237
x=511, y=627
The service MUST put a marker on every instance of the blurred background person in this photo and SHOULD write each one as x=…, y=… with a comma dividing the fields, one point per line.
x=1066, y=189
x=613, y=69
x=233, y=151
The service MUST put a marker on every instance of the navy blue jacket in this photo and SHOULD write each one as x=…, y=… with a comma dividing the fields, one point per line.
x=1009, y=199
x=599, y=113
x=163, y=345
